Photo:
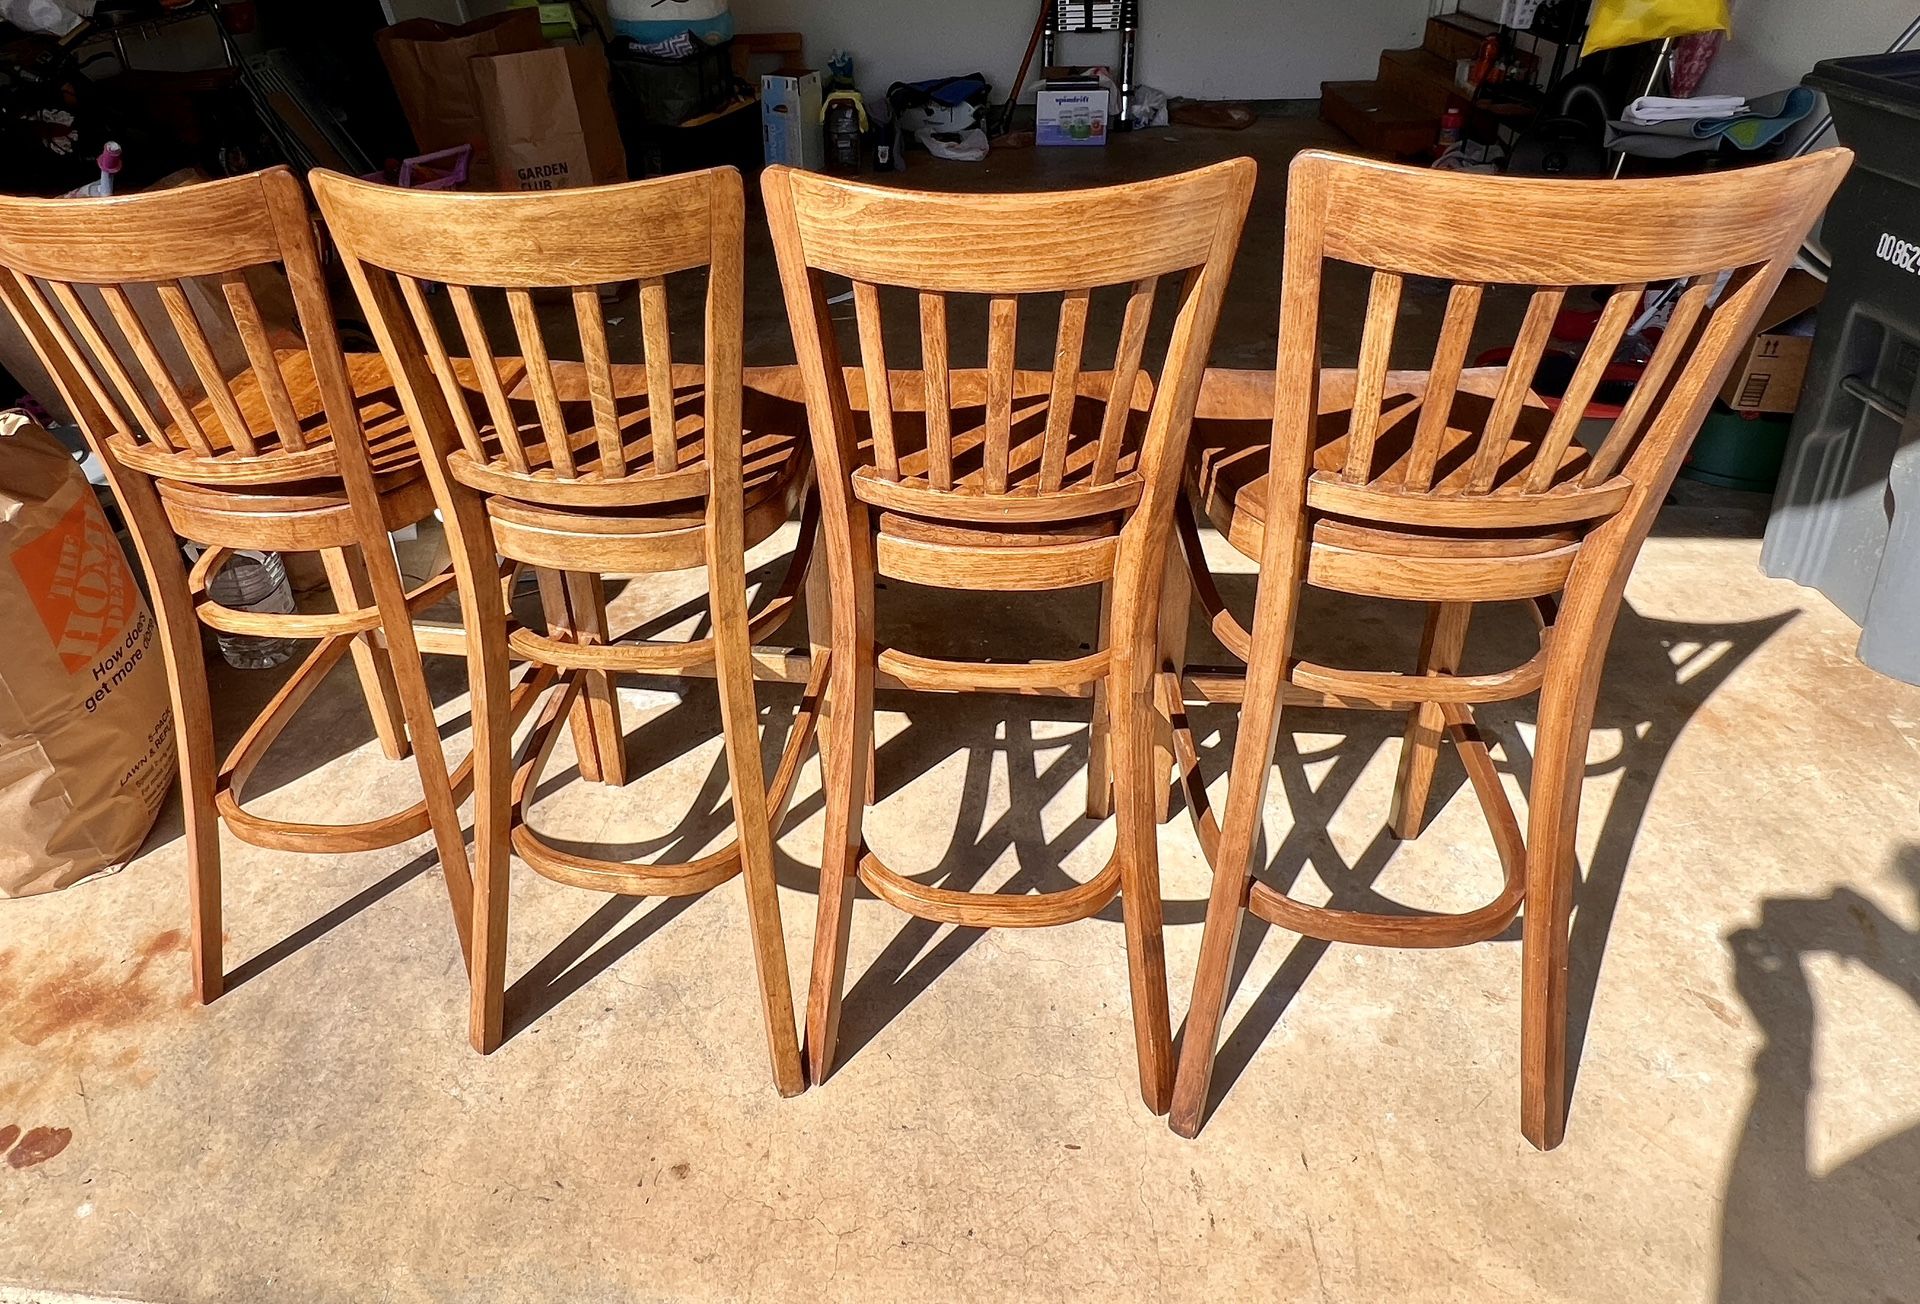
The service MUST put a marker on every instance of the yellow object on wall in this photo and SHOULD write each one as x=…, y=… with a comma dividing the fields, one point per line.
x=1629, y=22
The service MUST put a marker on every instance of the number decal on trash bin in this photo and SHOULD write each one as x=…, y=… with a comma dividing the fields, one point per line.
x=1904, y=254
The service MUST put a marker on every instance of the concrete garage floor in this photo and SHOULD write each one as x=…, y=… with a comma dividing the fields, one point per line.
x=1747, y=998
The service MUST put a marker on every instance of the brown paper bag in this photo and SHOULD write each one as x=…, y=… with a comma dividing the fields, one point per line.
x=549, y=119
x=86, y=727
x=428, y=62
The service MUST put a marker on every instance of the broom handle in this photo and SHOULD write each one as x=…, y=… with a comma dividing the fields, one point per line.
x=1020, y=79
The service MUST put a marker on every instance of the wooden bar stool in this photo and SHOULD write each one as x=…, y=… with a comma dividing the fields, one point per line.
x=1000, y=480
x=585, y=469
x=1457, y=486
x=131, y=303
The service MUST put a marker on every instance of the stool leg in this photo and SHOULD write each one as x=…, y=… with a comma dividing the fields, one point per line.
x=347, y=573
x=846, y=741
x=1137, y=775
x=1274, y=614
x=575, y=604
x=192, y=721
x=1176, y=602
x=1440, y=647
x=587, y=600
x=488, y=680
x=1553, y=813
x=1099, y=743
x=378, y=569
x=740, y=719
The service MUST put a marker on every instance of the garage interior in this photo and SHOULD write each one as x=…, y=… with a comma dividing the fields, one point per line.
x=1745, y=964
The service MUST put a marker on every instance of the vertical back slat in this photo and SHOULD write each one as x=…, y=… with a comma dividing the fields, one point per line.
x=99, y=355
x=659, y=345
x=415, y=296
x=1535, y=328
x=252, y=329
x=1674, y=343
x=1068, y=347
x=1003, y=323
x=1370, y=380
x=474, y=331
x=939, y=389
x=546, y=397
x=1443, y=382
x=141, y=343
x=873, y=366
x=1126, y=374
x=1615, y=317
x=598, y=361
x=213, y=380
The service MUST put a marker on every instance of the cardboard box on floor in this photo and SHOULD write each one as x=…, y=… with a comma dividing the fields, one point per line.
x=1770, y=373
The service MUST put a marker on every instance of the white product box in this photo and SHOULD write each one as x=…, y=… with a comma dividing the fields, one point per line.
x=790, y=120
x=1071, y=117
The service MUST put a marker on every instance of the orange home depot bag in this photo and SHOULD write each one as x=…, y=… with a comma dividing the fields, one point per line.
x=86, y=727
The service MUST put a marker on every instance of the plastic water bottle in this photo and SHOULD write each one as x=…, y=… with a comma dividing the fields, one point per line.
x=253, y=581
x=111, y=160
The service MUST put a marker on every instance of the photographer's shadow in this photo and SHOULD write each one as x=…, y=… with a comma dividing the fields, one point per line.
x=1788, y=1230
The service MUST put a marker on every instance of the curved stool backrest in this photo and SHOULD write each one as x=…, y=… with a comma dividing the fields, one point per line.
x=1003, y=480
x=216, y=413
x=554, y=453
x=554, y=417
x=155, y=303
x=1455, y=485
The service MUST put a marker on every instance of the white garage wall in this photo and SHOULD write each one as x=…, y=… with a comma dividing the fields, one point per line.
x=1206, y=49
x=1776, y=42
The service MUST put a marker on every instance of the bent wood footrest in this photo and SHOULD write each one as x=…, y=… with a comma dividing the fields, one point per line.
x=1370, y=928
x=992, y=909
x=295, y=835
x=326, y=624
x=622, y=877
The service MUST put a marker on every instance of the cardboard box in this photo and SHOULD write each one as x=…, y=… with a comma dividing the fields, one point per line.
x=790, y=119
x=1768, y=376
x=1073, y=117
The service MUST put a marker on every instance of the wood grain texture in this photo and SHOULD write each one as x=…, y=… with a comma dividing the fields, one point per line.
x=1531, y=231
x=1020, y=243
x=1455, y=487
x=1003, y=480
x=297, y=448
x=639, y=466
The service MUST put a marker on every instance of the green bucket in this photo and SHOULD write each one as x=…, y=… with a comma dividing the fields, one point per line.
x=1736, y=450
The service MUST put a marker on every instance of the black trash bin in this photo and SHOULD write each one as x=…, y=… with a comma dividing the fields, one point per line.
x=1846, y=516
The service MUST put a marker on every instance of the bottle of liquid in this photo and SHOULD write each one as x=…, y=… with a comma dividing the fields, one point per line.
x=846, y=126
x=254, y=581
x=111, y=160
x=1453, y=125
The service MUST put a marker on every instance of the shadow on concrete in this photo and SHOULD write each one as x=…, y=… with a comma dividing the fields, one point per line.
x=1788, y=1230
x=307, y=934
x=1658, y=675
